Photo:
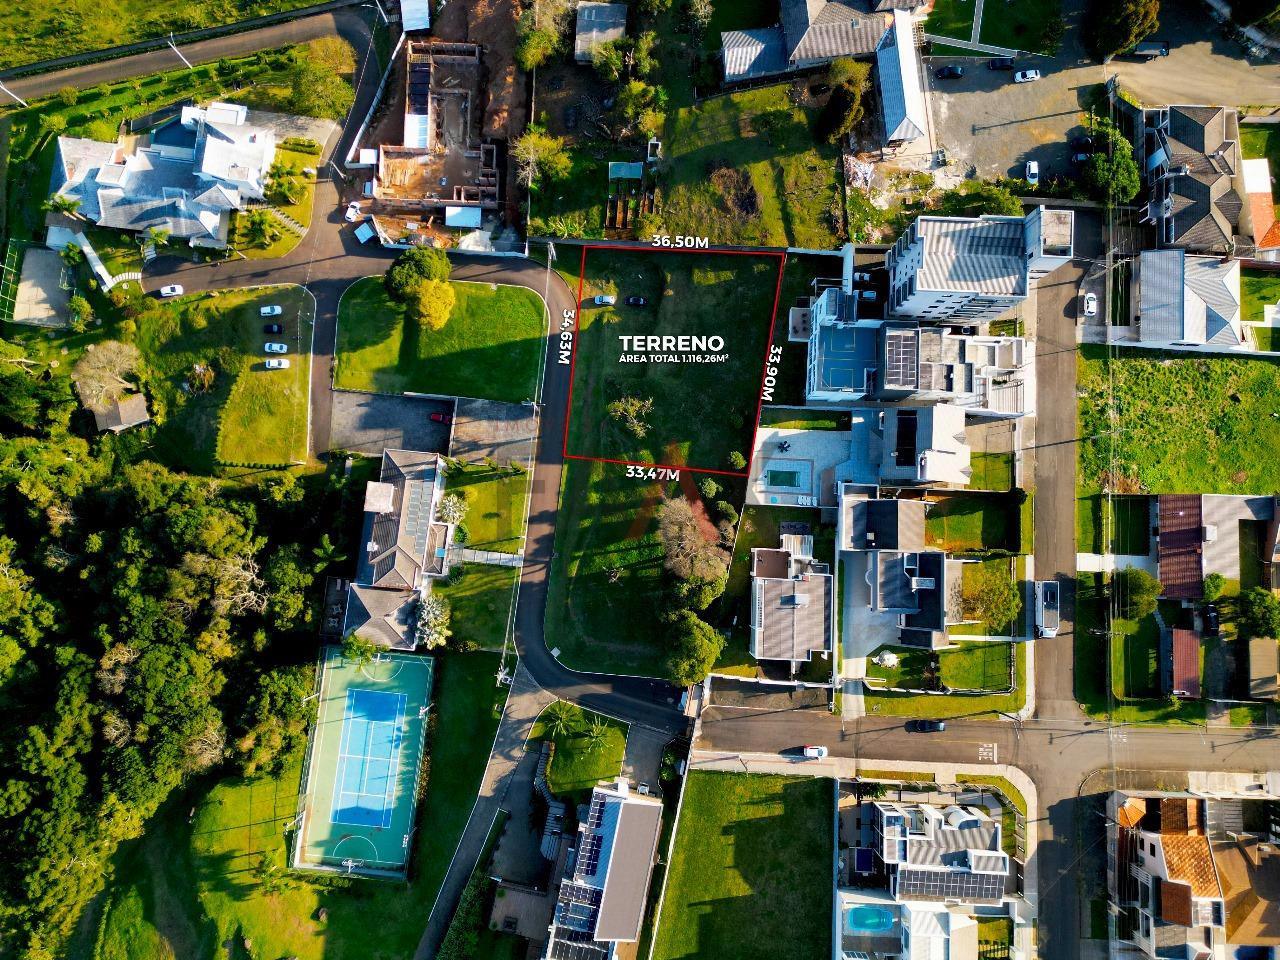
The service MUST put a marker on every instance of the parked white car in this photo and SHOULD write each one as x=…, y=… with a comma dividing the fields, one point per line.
x=353, y=212
x=1090, y=304
x=271, y=311
x=1026, y=76
x=173, y=290
x=278, y=363
x=606, y=300
x=815, y=752
x=1032, y=173
x=275, y=348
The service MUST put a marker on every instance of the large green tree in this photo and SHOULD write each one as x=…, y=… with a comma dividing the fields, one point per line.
x=694, y=646
x=1113, y=26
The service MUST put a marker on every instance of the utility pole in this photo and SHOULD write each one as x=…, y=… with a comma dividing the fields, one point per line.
x=14, y=95
x=175, y=49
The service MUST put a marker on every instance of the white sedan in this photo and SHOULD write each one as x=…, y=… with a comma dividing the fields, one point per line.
x=275, y=348
x=1090, y=304
x=271, y=311
x=173, y=290
x=353, y=212
x=1032, y=173
x=278, y=363
x=1026, y=76
x=814, y=752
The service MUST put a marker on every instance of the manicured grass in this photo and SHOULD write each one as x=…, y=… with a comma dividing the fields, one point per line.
x=1130, y=524
x=750, y=875
x=607, y=522
x=579, y=763
x=1267, y=338
x=933, y=707
x=276, y=245
x=972, y=576
x=955, y=53
x=995, y=936
x=34, y=30
x=951, y=18
x=1258, y=288
x=974, y=665
x=1247, y=714
x=701, y=411
x=480, y=603
x=973, y=522
x=1017, y=23
x=906, y=776
x=745, y=169
x=1202, y=424
x=790, y=419
x=496, y=499
x=991, y=471
x=490, y=348
x=1262, y=141
x=299, y=161
x=119, y=251
x=223, y=877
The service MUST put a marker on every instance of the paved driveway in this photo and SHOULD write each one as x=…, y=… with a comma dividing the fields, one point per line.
x=372, y=422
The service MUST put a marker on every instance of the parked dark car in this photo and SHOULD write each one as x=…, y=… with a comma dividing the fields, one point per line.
x=636, y=302
x=1212, y=625
x=1000, y=63
x=445, y=418
x=1082, y=143
x=272, y=328
x=951, y=72
x=926, y=726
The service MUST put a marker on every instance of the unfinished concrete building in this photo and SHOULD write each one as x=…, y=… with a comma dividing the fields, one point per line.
x=443, y=162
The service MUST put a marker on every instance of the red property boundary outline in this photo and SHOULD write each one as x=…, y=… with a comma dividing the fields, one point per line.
x=573, y=357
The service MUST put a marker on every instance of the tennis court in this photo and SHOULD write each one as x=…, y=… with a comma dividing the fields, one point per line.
x=359, y=790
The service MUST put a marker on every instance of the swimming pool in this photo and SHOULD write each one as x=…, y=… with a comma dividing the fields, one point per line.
x=864, y=918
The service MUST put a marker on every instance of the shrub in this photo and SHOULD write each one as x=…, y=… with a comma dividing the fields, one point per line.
x=728, y=511
x=1136, y=592
x=737, y=461
x=1213, y=585
x=708, y=488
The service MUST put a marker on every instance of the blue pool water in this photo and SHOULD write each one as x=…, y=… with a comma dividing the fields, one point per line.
x=868, y=919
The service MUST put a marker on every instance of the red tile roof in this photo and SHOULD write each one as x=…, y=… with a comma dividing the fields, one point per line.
x=1186, y=663
x=1181, y=539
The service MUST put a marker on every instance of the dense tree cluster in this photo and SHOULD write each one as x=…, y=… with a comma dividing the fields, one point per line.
x=149, y=630
x=1113, y=26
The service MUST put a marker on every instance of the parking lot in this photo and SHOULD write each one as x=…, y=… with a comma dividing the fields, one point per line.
x=369, y=423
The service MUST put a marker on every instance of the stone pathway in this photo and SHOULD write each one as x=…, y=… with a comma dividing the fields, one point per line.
x=973, y=45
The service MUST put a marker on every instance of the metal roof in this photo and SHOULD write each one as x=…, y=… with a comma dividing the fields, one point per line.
x=415, y=15
x=901, y=96
x=975, y=255
x=752, y=53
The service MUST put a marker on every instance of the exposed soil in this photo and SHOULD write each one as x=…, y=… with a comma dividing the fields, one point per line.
x=736, y=187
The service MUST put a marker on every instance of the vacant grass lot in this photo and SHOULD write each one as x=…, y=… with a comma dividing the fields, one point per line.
x=579, y=762
x=186, y=889
x=36, y=30
x=1199, y=424
x=480, y=603
x=798, y=273
x=935, y=706
x=701, y=411
x=750, y=875
x=973, y=522
x=745, y=169
x=981, y=665
x=496, y=500
x=1129, y=519
x=991, y=471
x=951, y=18
x=492, y=328
x=607, y=522
x=1017, y=23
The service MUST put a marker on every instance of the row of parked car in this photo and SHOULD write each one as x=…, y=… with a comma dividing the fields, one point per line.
x=274, y=329
x=955, y=72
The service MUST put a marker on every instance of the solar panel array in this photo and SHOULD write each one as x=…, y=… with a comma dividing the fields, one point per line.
x=901, y=358
x=949, y=885
x=417, y=515
x=595, y=815
x=589, y=856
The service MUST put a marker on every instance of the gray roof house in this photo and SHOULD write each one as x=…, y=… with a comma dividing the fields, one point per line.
x=403, y=546
x=605, y=885
x=1190, y=156
x=792, y=602
x=184, y=177
x=122, y=413
x=1264, y=665
x=1188, y=301
x=939, y=854
x=902, y=104
x=811, y=33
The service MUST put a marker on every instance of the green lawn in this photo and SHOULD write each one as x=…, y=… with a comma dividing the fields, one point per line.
x=973, y=522
x=1261, y=141
x=1203, y=425
x=973, y=665
x=35, y=30
x=1259, y=288
x=578, y=763
x=991, y=471
x=1017, y=23
x=932, y=706
x=607, y=522
x=1130, y=524
x=701, y=411
x=791, y=419
x=185, y=890
x=480, y=603
x=951, y=18
x=492, y=328
x=497, y=501
x=745, y=169
x=750, y=875
x=119, y=251
x=1267, y=338
x=299, y=161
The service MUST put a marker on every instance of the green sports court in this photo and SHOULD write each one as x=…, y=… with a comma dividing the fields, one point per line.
x=359, y=790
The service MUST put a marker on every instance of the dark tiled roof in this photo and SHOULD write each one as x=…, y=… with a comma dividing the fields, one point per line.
x=825, y=29
x=1186, y=663
x=1205, y=206
x=1180, y=546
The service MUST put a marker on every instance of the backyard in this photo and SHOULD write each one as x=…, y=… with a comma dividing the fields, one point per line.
x=1259, y=289
x=218, y=878
x=492, y=327
x=973, y=522
x=750, y=875
x=1203, y=424
x=587, y=748
x=480, y=602
x=496, y=503
x=701, y=412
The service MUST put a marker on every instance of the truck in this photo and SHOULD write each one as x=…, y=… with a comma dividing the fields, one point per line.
x=1150, y=49
x=1047, y=608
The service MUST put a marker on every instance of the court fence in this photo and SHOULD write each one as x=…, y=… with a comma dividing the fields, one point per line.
x=299, y=821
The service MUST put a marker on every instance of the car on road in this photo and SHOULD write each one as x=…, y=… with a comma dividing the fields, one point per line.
x=866, y=294
x=1082, y=143
x=353, y=212
x=605, y=300
x=1090, y=304
x=278, y=363
x=636, y=302
x=272, y=311
x=862, y=278
x=926, y=726
x=1048, y=618
x=1080, y=158
x=1032, y=173
x=273, y=328
x=445, y=418
x=173, y=290
x=275, y=348
x=951, y=72
x=1026, y=76
x=814, y=752
x=1000, y=63
x=1212, y=623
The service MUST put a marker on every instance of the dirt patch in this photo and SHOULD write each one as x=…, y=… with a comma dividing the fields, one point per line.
x=735, y=186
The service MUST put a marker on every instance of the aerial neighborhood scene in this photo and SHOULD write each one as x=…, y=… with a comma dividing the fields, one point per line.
x=640, y=480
